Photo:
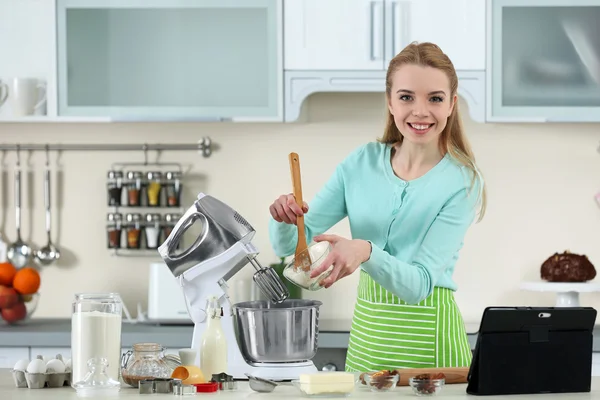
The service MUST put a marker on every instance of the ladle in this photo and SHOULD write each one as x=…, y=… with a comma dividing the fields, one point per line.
x=49, y=253
x=19, y=253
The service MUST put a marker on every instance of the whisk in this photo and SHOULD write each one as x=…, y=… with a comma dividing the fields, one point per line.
x=269, y=282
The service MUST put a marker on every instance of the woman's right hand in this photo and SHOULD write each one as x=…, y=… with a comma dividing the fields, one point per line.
x=285, y=209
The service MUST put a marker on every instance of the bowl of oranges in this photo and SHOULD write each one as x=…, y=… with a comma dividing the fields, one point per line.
x=18, y=293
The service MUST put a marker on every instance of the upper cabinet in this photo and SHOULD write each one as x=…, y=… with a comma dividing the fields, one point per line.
x=458, y=27
x=169, y=59
x=363, y=35
x=347, y=45
x=333, y=35
x=544, y=60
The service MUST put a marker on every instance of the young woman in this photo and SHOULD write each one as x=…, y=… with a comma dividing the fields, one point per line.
x=410, y=199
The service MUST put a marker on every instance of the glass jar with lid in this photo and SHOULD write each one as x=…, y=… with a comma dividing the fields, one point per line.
x=145, y=361
x=134, y=188
x=152, y=230
x=96, y=322
x=114, y=187
x=113, y=228
x=154, y=189
x=133, y=229
x=173, y=188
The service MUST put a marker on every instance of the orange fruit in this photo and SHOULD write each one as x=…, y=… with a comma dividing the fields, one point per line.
x=27, y=281
x=7, y=273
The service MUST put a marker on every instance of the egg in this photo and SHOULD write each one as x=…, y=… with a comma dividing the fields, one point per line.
x=55, y=366
x=37, y=366
x=68, y=365
x=21, y=365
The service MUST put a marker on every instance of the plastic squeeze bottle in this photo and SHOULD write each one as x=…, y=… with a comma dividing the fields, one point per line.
x=213, y=346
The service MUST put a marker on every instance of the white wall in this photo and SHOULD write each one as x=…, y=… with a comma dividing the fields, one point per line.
x=541, y=181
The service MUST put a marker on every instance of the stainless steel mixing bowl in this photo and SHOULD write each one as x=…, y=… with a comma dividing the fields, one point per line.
x=277, y=333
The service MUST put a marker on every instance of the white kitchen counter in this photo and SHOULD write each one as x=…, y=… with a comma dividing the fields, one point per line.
x=8, y=391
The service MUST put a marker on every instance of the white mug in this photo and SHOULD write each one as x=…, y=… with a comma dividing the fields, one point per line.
x=27, y=96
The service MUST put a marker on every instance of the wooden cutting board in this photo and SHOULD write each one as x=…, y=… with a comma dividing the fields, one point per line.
x=453, y=375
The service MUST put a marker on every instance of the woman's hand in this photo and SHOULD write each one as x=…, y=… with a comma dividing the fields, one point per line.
x=345, y=256
x=285, y=209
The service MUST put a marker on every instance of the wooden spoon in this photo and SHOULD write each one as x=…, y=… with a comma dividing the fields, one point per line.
x=302, y=258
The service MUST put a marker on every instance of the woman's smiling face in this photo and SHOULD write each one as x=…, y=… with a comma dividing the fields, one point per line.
x=420, y=102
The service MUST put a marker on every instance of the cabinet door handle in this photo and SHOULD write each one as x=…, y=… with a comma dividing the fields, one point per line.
x=373, y=5
x=404, y=21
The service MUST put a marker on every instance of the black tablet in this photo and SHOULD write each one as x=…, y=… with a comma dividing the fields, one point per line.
x=531, y=350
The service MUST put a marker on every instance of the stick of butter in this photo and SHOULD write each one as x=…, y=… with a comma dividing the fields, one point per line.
x=327, y=382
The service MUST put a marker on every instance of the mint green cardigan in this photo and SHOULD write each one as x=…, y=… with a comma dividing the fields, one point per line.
x=416, y=228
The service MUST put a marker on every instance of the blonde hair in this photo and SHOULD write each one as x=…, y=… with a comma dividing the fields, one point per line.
x=452, y=139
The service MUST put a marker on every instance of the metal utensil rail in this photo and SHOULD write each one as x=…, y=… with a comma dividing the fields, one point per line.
x=204, y=145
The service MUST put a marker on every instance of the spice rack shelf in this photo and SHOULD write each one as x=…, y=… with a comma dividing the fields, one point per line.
x=145, y=204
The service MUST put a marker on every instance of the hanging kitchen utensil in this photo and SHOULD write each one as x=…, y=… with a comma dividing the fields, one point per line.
x=49, y=253
x=19, y=253
x=302, y=257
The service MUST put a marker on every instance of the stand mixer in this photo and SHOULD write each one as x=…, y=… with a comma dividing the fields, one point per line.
x=221, y=250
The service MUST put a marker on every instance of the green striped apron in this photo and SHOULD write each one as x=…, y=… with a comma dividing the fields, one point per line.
x=387, y=333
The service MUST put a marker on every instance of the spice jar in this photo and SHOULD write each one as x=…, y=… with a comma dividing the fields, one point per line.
x=113, y=227
x=152, y=230
x=146, y=361
x=154, y=189
x=134, y=230
x=173, y=188
x=169, y=224
x=114, y=187
x=134, y=188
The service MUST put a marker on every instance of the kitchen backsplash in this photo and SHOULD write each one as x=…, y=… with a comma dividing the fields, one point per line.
x=541, y=181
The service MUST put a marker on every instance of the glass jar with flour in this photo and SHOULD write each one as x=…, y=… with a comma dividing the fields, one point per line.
x=96, y=333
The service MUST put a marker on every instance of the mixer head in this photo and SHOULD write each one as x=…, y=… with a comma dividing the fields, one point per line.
x=222, y=229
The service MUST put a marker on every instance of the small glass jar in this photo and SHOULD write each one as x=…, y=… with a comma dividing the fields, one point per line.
x=152, y=230
x=133, y=230
x=173, y=188
x=134, y=188
x=114, y=187
x=168, y=225
x=146, y=361
x=113, y=228
x=154, y=189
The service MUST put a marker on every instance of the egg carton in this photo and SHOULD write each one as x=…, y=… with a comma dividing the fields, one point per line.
x=56, y=373
x=24, y=379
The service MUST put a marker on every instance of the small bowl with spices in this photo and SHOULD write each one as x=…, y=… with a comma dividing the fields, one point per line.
x=427, y=384
x=382, y=381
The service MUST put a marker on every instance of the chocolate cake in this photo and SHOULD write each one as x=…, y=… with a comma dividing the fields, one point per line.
x=567, y=267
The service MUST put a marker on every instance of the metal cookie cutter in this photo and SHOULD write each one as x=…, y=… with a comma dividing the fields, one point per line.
x=157, y=385
x=225, y=381
x=180, y=389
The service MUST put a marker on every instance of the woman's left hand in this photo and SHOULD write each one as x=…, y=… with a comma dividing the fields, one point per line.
x=345, y=256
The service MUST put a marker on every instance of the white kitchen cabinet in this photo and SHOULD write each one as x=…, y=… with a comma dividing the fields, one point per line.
x=334, y=35
x=170, y=59
x=365, y=35
x=457, y=26
x=10, y=355
x=544, y=60
x=27, y=47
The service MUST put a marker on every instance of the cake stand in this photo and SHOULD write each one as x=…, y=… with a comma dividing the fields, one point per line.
x=567, y=293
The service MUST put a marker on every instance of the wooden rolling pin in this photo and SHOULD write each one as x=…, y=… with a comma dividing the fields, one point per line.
x=453, y=375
